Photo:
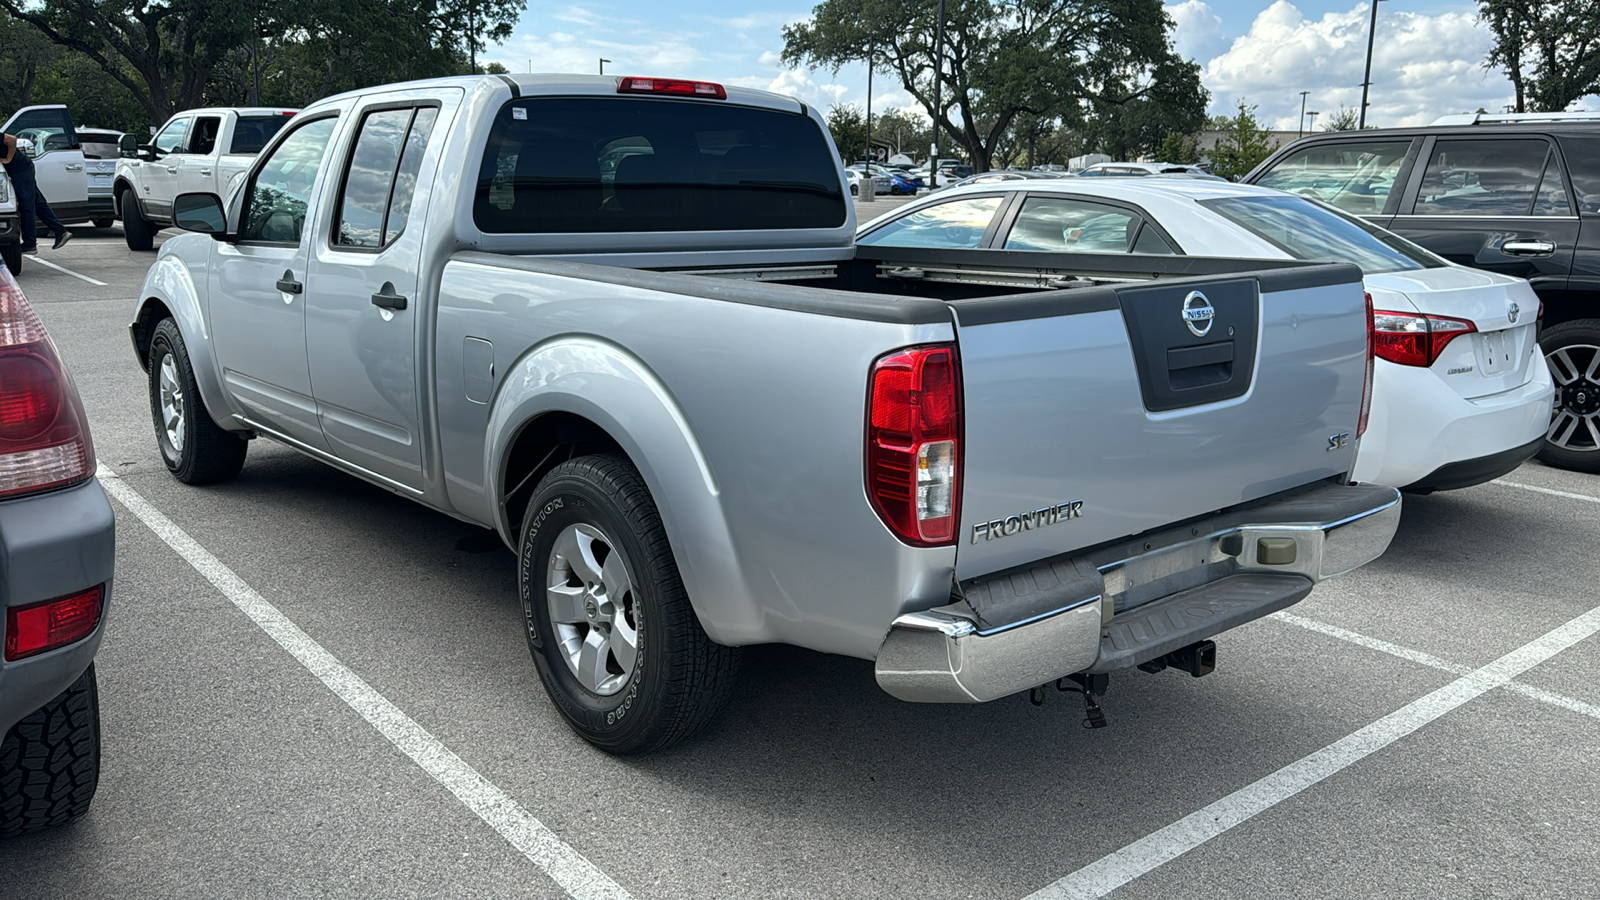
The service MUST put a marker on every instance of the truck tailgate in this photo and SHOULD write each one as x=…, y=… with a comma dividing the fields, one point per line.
x=1099, y=413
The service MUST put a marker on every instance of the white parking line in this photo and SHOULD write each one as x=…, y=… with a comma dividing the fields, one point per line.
x=1114, y=870
x=63, y=269
x=566, y=866
x=1544, y=490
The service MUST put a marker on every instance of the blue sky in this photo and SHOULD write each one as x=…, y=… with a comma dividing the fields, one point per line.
x=1428, y=59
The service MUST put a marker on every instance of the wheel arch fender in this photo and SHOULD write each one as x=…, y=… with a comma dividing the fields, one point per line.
x=615, y=391
x=169, y=291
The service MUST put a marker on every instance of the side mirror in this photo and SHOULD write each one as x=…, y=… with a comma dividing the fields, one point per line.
x=128, y=145
x=27, y=146
x=200, y=213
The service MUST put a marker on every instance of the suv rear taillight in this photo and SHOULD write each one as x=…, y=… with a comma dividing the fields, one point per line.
x=42, y=627
x=44, y=436
x=914, y=443
x=1410, y=339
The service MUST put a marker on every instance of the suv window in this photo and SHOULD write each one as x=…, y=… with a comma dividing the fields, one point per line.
x=1069, y=225
x=958, y=224
x=275, y=205
x=382, y=177
x=1356, y=176
x=1583, y=153
x=1482, y=178
x=251, y=133
x=170, y=140
x=557, y=165
x=1312, y=231
x=203, y=136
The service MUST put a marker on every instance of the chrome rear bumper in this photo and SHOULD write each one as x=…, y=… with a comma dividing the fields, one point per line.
x=1058, y=620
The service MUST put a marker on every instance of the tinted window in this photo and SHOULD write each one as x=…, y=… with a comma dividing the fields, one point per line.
x=405, y=184
x=1583, y=154
x=1307, y=230
x=275, y=207
x=1355, y=176
x=251, y=133
x=954, y=224
x=559, y=165
x=368, y=181
x=170, y=140
x=50, y=121
x=203, y=137
x=1552, y=197
x=1068, y=225
x=1482, y=178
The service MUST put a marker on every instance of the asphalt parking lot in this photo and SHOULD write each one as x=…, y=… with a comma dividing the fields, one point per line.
x=310, y=687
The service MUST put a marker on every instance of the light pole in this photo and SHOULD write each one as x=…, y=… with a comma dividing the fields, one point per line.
x=603, y=62
x=1302, y=114
x=938, y=68
x=869, y=185
x=1366, y=83
x=1313, y=116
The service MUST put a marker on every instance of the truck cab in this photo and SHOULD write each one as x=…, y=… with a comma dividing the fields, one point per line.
x=57, y=158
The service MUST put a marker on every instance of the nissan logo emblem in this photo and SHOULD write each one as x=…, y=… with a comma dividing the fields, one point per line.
x=1198, y=313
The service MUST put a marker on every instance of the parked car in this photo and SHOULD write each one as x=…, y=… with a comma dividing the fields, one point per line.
x=10, y=227
x=58, y=160
x=904, y=183
x=1513, y=194
x=691, y=458
x=880, y=179
x=100, y=143
x=1459, y=397
x=1051, y=167
x=998, y=175
x=1134, y=169
x=196, y=150
x=56, y=540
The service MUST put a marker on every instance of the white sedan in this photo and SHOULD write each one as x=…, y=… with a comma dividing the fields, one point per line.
x=1460, y=391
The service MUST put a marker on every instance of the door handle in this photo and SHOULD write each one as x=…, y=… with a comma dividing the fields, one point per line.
x=386, y=298
x=205, y=172
x=1528, y=248
x=287, y=284
x=75, y=168
x=172, y=170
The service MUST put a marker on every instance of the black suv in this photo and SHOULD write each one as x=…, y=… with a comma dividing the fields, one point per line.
x=1516, y=194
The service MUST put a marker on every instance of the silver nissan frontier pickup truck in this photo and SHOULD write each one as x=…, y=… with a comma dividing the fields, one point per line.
x=623, y=322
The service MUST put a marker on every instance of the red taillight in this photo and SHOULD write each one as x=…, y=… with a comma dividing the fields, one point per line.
x=1366, y=386
x=1410, y=339
x=676, y=87
x=914, y=443
x=54, y=623
x=44, y=437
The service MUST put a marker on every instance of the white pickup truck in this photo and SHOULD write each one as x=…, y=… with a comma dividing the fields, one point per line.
x=198, y=150
x=554, y=306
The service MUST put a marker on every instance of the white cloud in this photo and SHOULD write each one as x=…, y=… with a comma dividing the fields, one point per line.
x=1423, y=66
x=1198, y=35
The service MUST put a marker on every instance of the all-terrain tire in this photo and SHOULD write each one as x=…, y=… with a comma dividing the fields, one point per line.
x=1571, y=349
x=681, y=679
x=50, y=761
x=136, y=229
x=195, y=449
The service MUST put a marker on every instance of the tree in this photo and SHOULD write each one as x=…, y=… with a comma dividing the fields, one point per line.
x=1136, y=128
x=1179, y=148
x=848, y=126
x=1343, y=120
x=1242, y=145
x=1003, y=58
x=24, y=54
x=1550, y=51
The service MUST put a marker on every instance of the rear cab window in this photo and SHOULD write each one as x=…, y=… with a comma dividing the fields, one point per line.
x=633, y=164
x=1313, y=231
x=1356, y=176
x=251, y=133
x=381, y=176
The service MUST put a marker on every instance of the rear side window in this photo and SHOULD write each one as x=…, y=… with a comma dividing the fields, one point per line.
x=1482, y=178
x=955, y=224
x=382, y=176
x=251, y=133
x=203, y=137
x=1355, y=176
x=1069, y=225
x=1583, y=155
x=626, y=164
x=1310, y=231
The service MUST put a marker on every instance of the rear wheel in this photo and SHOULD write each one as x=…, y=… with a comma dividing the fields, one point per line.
x=13, y=256
x=1573, y=351
x=195, y=449
x=50, y=761
x=614, y=638
x=136, y=230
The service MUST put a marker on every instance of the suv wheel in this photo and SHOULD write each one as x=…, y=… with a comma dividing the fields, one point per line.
x=50, y=761
x=1573, y=351
x=12, y=252
x=136, y=229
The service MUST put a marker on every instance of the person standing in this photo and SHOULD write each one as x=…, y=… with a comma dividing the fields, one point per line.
x=31, y=204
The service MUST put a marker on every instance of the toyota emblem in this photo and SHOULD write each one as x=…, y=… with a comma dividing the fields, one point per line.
x=1198, y=313
x=1513, y=312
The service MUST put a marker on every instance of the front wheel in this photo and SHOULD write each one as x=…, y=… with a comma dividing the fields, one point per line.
x=1572, y=350
x=614, y=638
x=12, y=253
x=50, y=761
x=136, y=229
x=195, y=449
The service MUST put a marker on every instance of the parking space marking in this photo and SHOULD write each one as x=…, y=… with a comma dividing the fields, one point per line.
x=566, y=866
x=1544, y=490
x=1417, y=656
x=66, y=271
x=1118, y=868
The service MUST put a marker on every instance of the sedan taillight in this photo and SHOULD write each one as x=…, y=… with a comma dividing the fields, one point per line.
x=1410, y=339
x=44, y=436
x=914, y=443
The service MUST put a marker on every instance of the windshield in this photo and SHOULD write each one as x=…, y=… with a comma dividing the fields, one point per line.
x=1314, y=231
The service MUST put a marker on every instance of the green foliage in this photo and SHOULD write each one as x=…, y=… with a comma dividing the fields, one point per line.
x=1136, y=128
x=1345, y=119
x=1242, y=145
x=169, y=55
x=1179, y=148
x=1548, y=50
x=848, y=125
x=1049, y=59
